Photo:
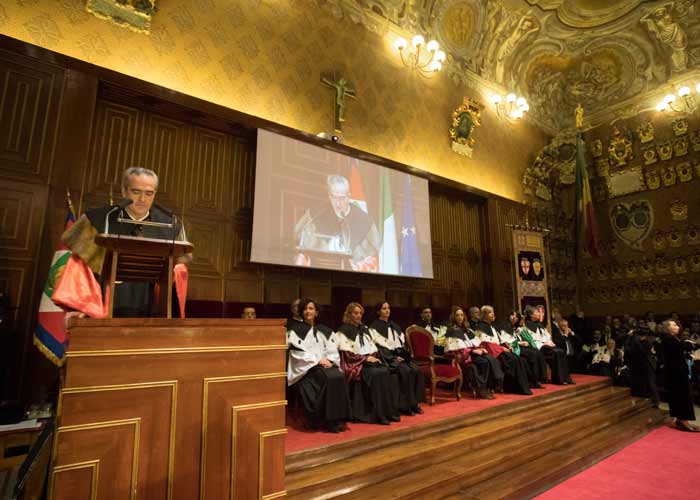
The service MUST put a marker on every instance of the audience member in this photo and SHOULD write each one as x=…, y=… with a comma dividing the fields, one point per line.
x=566, y=339
x=438, y=331
x=248, y=313
x=676, y=367
x=556, y=357
x=512, y=332
x=641, y=361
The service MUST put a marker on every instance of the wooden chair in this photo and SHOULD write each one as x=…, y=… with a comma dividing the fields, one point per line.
x=420, y=344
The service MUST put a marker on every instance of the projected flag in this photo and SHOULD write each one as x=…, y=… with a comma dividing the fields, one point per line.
x=410, y=258
x=389, y=254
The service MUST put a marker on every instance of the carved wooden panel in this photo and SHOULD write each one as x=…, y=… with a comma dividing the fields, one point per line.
x=456, y=229
x=174, y=409
x=22, y=207
x=30, y=94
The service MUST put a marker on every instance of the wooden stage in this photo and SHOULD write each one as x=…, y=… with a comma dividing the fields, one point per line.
x=512, y=447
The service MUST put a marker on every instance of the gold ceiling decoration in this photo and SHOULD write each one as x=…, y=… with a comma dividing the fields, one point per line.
x=132, y=14
x=609, y=56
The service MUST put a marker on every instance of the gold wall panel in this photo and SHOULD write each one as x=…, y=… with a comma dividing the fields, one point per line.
x=266, y=58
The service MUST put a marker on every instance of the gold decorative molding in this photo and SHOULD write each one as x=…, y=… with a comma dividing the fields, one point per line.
x=174, y=350
x=93, y=465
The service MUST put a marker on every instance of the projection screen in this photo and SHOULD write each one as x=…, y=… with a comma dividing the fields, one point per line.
x=321, y=209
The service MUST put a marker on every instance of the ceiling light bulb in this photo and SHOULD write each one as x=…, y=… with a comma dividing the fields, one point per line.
x=669, y=98
x=432, y=45
x=661, y=106
x=496, y=99
x=697, y=88
x=435, y=66
x=418, y=40
x=526, y=107
x=518, y=114
x=440, y=56
x=683, y=91
x=521, y=102
x=401, y=43
x=511, y=98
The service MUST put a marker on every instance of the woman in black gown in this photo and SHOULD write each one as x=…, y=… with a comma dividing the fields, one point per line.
x=314, y=370
x=391, y=342
x=374, y=391
x=536, y=364
x=676, y=355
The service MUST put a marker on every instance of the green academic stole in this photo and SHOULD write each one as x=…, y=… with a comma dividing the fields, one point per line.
x=526, y=334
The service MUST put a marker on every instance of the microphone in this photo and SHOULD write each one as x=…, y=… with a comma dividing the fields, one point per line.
x=121, y=206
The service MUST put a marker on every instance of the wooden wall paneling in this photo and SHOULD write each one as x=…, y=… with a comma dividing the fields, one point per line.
x=281, y=284
x=146, y=420
x=29, y=112
x=22, y=209
x=115, y=145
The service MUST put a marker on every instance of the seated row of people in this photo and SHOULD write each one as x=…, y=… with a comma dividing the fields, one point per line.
x=365, y=373
x=360, y=373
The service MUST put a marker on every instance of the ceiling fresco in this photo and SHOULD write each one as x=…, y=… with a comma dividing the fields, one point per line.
x=557, y=53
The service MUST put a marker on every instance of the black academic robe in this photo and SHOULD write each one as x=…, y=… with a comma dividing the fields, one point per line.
x=555, y=357
x=570, y=345
x=323, y=391
x=411, y=379
x=358, y=226
x=676, y=369
x=535, y=364
x=514, y=367
x=641, y=362
x=482, y=370
x=134, y=299
x=374, y=390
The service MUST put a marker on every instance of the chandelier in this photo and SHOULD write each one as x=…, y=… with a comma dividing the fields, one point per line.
x=685, y=103
x=511, y=107
x=425, y=58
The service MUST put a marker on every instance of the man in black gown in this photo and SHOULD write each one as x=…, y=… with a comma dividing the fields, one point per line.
x=139, y=188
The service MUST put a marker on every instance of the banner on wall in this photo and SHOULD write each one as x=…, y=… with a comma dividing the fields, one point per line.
x=530, y=269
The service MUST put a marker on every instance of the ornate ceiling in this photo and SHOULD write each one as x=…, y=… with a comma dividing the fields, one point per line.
x=604, y=54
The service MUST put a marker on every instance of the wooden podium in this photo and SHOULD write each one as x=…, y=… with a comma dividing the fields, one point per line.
x=131, y=258
x=171, y=409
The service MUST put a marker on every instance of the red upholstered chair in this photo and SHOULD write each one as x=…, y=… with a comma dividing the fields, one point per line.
x=420, y=344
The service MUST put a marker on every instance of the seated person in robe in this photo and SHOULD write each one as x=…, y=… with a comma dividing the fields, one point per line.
x=131, y=299
x=588, y=350
x=344, y=227
x=483, y=371
x=556, y=357
x=374, y=391
x=511, y=334
x=436, y=330
x=314, y=370
x=606, y=360
x=514, y=367
x=391, y=342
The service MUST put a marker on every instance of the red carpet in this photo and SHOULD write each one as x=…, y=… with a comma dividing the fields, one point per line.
x=445, y=406
x=662, y=464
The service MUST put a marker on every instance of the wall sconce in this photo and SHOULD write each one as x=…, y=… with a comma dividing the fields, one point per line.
x=685, y=103
x=514, y=107
x=425, y=58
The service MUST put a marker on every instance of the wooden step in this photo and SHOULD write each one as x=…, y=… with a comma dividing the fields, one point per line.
x=324, y=454
x=473, y=447
x=380, y=464
x=491, y=463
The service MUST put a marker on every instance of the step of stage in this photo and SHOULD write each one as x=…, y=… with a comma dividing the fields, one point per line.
x=456, y=456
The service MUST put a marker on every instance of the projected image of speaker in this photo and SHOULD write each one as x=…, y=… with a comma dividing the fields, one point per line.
x=322, y=209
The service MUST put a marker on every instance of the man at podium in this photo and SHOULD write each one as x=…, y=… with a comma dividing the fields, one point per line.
x=139, y=188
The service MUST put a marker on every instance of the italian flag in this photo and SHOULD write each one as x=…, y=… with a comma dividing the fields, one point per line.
x=389, y=253
x=588, y=232
x=50, y=336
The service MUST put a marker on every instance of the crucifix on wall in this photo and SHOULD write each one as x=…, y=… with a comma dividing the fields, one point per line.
x=343, y=89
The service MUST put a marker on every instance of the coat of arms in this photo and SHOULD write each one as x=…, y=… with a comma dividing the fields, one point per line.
x=464, y=120
x=620, y=149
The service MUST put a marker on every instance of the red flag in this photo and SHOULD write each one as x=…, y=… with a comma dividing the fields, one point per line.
x=181, y=279
x=79, y=290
